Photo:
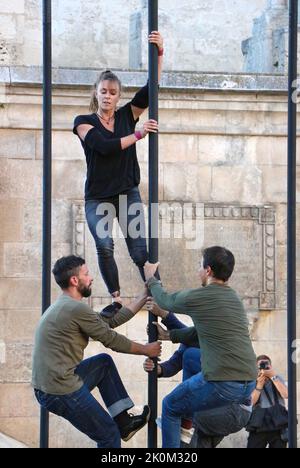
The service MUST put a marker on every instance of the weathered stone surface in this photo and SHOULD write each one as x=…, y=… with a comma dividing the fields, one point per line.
x=18, y=324
x=69, y=179
x=61, y=219
x=275, y=184
x=18, y=365
x=22, y=260
x=187, y=182
x=8, y=442
x=65, y=146
x=179, y=81
x=237, y=183
x=23, y=394
x=203, y=50
x=25, y=430
x=267, y=50
x=17, y=144
x=11, y=212
x=19, y=293
x=20, y=179
x=178, y=149
x=240, y=146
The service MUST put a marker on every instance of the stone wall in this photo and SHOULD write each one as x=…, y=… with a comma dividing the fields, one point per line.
x=267, y=50
x=97, y=33
x=222, y=143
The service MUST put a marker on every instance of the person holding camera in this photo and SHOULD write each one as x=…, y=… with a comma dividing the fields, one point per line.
x=268, y=424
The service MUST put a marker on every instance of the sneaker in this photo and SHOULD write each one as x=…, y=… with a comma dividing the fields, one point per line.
x=111, y=310
x=186, y=435
x=136, y=423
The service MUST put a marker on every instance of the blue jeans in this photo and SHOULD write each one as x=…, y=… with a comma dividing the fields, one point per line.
x=83, y=411
x=191, y=363
x=195, y=395
x=128, y=210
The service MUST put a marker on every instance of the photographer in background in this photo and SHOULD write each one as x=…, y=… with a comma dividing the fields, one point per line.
x=268, y=424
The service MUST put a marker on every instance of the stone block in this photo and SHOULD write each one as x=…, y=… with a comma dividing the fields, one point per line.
x=69, y=180
x=271, y=151
x=278, y=325
x=19, y=324
x=18, y=365
x=23, y=429
x=178, y=148
x=65, y=146
x=4, y=78
x=1, y=260
x=17, y=144
x=188, y=183
x=281, y=223
x=64, y=435
x=22, y=260
x=16, y=7
x=262, y=328
x=26, y=293
x=8, y=442
x=282, y=263
x=20, y=179
x=275, y=184
x=61, y=221
x=22, y=394
x=237, y=184
x=144, y=187
x=11, y=215
x=228, y=150
x=8, y=26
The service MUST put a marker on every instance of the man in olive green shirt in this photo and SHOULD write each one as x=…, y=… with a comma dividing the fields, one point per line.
x=63, y=381
x=228, y=359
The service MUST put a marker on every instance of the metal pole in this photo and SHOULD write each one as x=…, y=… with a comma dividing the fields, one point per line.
x=47, y=184
x=291, y=223
x=153, y=205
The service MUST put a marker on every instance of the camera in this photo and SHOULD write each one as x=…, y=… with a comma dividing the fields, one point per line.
x=264, y=365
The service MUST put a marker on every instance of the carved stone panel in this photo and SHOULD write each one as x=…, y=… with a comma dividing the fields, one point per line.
x=248, y=231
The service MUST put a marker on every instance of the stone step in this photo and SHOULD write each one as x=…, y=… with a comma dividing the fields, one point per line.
x=8, y=442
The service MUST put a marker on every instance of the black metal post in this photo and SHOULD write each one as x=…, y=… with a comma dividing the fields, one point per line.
x=291, y=223
x=47, y=184
x=153, y=205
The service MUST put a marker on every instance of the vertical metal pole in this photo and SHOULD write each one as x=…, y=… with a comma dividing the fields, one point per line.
x=291, y=223
x=47, y=184
x=153, y=205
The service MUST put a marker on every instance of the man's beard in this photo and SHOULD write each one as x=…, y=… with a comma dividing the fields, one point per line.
x=85, y=291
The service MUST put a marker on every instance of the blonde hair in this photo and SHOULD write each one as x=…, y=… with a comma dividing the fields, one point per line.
x=106, y=75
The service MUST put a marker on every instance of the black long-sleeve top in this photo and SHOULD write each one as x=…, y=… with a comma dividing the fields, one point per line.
x=111, y=171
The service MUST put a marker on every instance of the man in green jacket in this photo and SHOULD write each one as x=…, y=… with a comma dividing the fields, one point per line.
x=228, y=359
x=63, y=381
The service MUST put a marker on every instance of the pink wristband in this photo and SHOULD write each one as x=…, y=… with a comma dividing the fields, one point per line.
x=138, y=136
x=160, y=52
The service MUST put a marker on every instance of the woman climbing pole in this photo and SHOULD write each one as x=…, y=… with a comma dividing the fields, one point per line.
x=108, y=137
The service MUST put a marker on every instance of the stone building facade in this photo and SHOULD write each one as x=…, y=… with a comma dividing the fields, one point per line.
x=223, y=150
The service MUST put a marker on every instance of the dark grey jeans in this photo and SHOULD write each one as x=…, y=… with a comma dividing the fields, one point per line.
x=213, y=425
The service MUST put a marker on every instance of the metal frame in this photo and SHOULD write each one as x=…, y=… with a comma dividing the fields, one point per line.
x=47, y=184
x=153, y=201
x=291, y=222
x=153, y=207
